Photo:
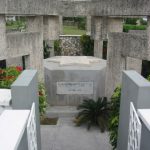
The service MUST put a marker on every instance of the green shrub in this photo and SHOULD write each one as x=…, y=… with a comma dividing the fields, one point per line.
x=143, y=22
x=46, y=50
x=8, y=76
x=81, y=21
x=82, y=25
x=114, y=118
x=57, y=48
x=127, y=27
x=148, y=78
x=131, y=21
x=17, y=25
x=42, y=99
x=94, y=113
x=87, y=45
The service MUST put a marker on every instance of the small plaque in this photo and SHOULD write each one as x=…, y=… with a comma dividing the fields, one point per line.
x=75, y=88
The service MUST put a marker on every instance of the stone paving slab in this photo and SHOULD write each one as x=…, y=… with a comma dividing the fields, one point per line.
x=66, y=136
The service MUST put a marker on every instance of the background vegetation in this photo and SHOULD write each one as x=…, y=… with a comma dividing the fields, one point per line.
x=87, y=45
x=127, y=27
x=114, y=118
x=57, y=48
x=46, y=50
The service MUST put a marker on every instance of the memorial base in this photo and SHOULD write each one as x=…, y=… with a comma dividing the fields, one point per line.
x=69, y=84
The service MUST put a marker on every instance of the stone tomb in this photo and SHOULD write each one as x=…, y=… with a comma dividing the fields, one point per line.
x=71, y=79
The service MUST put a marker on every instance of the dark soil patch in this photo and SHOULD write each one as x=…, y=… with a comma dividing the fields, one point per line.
x=49, y=121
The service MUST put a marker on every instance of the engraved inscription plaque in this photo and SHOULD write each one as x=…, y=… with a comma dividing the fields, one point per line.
x=75, y=88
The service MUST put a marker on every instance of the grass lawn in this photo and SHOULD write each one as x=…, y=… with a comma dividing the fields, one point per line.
x=72, y=30
x=127, y=27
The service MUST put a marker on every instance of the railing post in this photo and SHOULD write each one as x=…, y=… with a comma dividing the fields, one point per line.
x=24, y=93
x=135, y=89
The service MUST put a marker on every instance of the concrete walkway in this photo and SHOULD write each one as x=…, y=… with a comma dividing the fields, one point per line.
x=65, y=136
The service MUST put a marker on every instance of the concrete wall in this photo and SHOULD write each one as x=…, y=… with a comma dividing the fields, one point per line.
x=16, y=61
x=19, y=44
x=70, y=45
x=76, y=8
x=135, y=89
x=26, y=44
x=132, y=45
x=2, y=37
x=125, y=51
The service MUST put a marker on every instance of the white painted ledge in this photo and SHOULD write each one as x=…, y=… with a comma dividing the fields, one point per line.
x=144, y=115
x=5, y=97
x=12, y=127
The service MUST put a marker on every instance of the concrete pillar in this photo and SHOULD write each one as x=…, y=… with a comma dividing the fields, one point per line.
x=3, y=45
x=24, y=92
x=51, y=31
x=115, y=64
x=97, y=35
x=135, y=89
x=35, y=24
x=98, y=48
x=148, y=35
x=61, y=24
x=88, y=25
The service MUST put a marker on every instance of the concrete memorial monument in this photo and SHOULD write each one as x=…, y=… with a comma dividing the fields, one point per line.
x=71, y=79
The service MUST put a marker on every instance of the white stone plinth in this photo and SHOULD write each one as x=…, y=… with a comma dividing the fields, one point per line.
x=12, y=128
x=5, y=97
x=144, y=115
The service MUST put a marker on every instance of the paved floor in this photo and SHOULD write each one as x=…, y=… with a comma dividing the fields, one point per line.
x=65, y=136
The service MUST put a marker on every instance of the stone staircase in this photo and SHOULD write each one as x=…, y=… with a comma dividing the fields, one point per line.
x=61, y=111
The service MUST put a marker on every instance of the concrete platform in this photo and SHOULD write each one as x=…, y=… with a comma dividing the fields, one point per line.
x=66, y=136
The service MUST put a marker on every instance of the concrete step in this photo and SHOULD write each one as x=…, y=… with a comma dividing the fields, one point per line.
x=61, y=111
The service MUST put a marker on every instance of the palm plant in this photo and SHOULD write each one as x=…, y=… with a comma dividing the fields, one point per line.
x=94, y=113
